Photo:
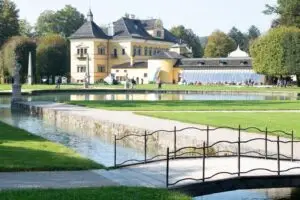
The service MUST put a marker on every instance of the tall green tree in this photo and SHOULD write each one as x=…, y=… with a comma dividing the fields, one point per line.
x=9, y=24
x=219, y=45
x=288, y=12
x=253, y=33
x=278, y=52
x=65, y=21
x=17, y=47
x=239, y=38
x=52, y=55
x=190, y=38
x=25, y=28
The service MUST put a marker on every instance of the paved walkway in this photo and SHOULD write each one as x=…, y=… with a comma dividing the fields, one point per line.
x=151, y=175
x=53, y=180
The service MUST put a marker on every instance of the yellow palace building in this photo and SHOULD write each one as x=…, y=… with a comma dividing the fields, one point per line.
x=145, y=51
x=123, y=48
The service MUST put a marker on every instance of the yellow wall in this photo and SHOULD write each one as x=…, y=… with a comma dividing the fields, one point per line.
x=108, y=60
x=166, y=74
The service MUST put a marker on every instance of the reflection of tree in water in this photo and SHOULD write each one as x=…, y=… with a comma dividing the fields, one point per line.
x=295, y=195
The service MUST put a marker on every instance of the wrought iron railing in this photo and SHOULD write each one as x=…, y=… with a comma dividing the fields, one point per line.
x=178, y=153
x=239, y=154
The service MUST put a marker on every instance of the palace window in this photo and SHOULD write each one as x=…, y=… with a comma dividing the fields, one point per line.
x=146, y=51
x=134, y=51
x=145, y=75
x=101, y=69
x=81, y=51
x=115, y=52
x=101, y=50
x=123, y=51
x=81, y=68
x=150, y=51
x=139, y=51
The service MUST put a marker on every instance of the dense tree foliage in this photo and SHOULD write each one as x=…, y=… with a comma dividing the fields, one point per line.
x=288, y=12
x=17, y=47
x=25, y=28
x=65, y=21
x=9, y=24
x=239, y=38
x=277, y=52
x=52, y=55
x=190, y=38
x=219, y=45
x=253, y=33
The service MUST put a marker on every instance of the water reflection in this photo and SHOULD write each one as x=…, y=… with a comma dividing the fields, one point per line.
x=156, y=96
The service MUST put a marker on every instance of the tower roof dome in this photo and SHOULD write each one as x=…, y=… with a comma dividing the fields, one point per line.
x=238, y=53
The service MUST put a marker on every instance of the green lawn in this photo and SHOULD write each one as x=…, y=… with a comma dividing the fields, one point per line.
x=164, y=87
x=110, y=193
x=22, y=151
x=189, y=105
x=274, y=121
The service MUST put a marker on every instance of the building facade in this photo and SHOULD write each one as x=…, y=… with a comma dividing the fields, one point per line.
x=145, y=51
x=122, y=46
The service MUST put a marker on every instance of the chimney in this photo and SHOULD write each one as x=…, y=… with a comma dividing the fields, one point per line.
x=111, y=31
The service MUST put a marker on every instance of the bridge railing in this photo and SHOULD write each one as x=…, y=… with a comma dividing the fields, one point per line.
x=204, y=155
x=195, y=152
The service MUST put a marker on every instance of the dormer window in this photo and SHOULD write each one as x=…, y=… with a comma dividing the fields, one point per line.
x=158, y=34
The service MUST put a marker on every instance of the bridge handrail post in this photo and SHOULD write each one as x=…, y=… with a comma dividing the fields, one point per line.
x=292, y=147
x=239, y=151
x=145, y=147
x=167, y=169
x=203, y=162
x=266, y=143
x=115, y=151
x=207, y=135
x=175, y=142
x=278, y=155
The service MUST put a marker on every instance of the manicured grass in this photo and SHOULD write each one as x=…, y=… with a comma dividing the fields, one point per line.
x=22, y=151
x=274, y=121
x=189, y=105
x=169, y=87
x=110, y=193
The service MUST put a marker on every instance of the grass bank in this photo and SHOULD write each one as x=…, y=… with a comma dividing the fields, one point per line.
x=189, y=105
x=22, y=151
x=164, y=87
x=274, y=121
x=110, y=193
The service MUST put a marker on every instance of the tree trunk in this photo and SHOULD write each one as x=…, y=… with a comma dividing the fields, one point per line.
x=298, y=79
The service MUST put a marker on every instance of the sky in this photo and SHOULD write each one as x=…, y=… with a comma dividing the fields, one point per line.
x=202, y=16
